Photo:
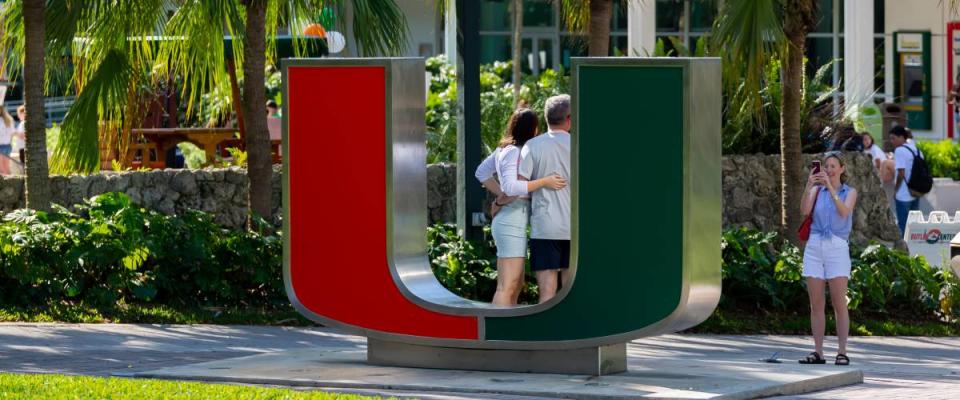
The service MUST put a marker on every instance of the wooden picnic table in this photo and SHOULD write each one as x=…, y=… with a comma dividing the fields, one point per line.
x=166, y=138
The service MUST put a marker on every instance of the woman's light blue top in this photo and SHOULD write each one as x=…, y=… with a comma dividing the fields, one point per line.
x=826, y=221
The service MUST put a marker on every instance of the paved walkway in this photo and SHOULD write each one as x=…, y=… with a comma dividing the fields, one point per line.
x=895, y=368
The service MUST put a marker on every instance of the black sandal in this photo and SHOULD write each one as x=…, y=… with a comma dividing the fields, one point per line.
x=813, y=358
x=842, y=359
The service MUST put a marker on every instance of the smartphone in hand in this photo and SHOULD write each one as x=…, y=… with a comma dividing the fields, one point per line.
x=815, y=166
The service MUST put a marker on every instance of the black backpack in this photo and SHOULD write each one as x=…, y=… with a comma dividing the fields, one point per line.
x=920, y=181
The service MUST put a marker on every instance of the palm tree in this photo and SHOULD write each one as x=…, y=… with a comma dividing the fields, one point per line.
x=517, y=51
x=117, y=63
x=38, y=188
x=751, y=32
x=592, y=16
x=259, y=161
x=379, y=27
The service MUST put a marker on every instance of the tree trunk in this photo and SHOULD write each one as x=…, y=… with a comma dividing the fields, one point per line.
x=259, y=163
x=37, y=172
x=601, y=11
x=799, y=19
x=517, y=49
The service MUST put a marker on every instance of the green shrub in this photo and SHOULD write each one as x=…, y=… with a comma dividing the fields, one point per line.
x=943, y=158
x=758, y=275
x=468, y=268
x=762, y=271
x=109, y=251
x=891, y=281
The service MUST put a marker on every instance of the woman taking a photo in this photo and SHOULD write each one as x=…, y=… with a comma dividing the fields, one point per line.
x=511, y=210
x=826, y=257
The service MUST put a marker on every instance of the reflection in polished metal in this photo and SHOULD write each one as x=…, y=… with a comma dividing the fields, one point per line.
x=646, y=261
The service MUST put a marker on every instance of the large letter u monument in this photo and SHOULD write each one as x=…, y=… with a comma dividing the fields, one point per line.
x=645, y=194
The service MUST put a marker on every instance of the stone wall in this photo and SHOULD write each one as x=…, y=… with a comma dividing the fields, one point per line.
x=751, y=196
x=442, y=193
x=221, y=192
x=751, y=193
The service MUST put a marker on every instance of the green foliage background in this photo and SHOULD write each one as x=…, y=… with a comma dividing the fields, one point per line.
x=943, y=158
x=496, y=104
x=761, y=273
x=109, y=251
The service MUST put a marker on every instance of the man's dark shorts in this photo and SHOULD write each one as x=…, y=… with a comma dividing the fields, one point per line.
x=549, y=254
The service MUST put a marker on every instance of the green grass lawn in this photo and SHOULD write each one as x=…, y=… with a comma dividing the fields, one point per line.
x=19, y=386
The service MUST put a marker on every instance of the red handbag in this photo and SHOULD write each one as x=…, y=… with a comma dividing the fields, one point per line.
x=804, y=232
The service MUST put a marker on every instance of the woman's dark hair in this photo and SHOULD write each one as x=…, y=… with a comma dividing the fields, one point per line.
x=899, y=130
x=523, y=126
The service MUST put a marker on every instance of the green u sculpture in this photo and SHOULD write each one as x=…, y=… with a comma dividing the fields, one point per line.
x=646, y=193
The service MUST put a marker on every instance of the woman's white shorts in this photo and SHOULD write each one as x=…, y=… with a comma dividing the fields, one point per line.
x=510, y=229
x=826, y=258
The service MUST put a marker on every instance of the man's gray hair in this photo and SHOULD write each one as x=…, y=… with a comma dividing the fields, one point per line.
x=556, y=109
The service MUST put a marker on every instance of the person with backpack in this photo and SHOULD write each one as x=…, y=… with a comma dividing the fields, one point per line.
x=913, y=177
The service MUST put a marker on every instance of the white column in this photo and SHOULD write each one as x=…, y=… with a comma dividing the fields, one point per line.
x=450, y=32
x=858, y=54
x=641, y=27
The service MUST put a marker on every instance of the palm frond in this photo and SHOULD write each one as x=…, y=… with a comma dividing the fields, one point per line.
x=379, y=26
x=104, y=98
x=11, y=17
x=750, y=32
x=575, y=14
x=194, y=50
x=296, y=15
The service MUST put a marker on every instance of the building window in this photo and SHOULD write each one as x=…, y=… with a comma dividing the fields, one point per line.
x=539, y=37
x=684, y=22
x=546, y=41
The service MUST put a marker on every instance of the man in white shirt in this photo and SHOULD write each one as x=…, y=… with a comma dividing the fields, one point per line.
x=903, y=154
x=547, y=154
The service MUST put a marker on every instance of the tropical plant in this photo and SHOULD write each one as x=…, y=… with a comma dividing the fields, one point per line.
x=120, y=61
x=379, y=27
x=678, y=49
x=743, y=135
x=752, y=32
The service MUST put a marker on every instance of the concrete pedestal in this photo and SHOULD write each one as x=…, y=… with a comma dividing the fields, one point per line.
x=603, y=360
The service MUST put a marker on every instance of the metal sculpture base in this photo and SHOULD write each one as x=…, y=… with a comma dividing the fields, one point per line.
x=601, y=360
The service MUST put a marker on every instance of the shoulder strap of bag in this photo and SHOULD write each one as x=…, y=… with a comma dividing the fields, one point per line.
x=915, y=154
